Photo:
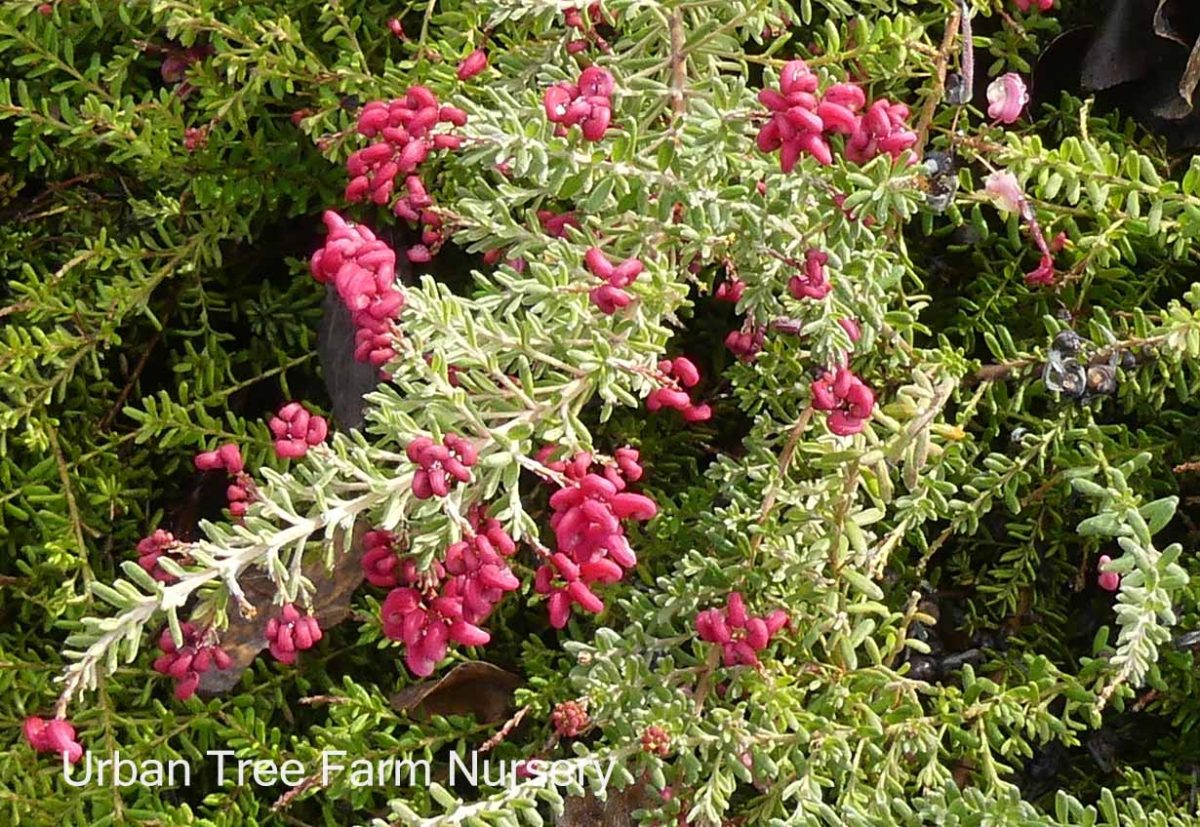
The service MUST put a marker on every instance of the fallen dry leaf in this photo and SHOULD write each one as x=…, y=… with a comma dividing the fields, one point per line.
x=616, y=811
x=475, y=688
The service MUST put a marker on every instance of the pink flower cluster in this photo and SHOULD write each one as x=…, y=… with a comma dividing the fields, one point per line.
x=801, y=123
x=1039, y=5
x=730, y=290
x=591, y=543
x=555, y=224
x=740, y=636
x=848, y=399
x=446, y=603
x=813, y=283
x=570, y=719
x=295, y=430
x=611, y=296
x=746, y=343
x=151, y=548
x=440, y=465
x=55, y=735
x=291, y=633
x=405, y=129
x=678, y=373
x=228, y=458
x=186, y=663
x=363, y=270
x=587, y=103
x=381, y=564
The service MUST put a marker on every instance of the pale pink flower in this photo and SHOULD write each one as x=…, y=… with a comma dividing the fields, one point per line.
x=1007, y=96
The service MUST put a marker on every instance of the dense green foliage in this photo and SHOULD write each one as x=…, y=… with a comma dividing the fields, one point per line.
x=950, y=658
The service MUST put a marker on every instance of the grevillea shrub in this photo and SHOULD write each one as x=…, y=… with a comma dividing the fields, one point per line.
x=736, y=391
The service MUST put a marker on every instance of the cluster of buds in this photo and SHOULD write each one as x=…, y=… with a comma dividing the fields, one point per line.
x=677, y=374
x=56, y=735
x=186, y=663
x=611, y=296
x=405, y=130
x=813, y=282
x=587, y=103
x=656, y=741
x=363, y=270
x=194, y=138
x=291, y=633
x=159, y=544
x=574, y=20
x=746, y=343
x=740, y=636
x=440, y=465
x=555, y=224
x=472, y=64
x=848, y=399
x=1110, y=581
x=296, y=429
x=730, y=290
x=228, y=458
x=446, y=603
x=570, y=719
x=380, y=563
x=801, y=123
x=590, y=540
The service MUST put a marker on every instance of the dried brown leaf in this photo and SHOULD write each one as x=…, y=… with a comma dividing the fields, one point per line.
x=474, y=688
x=616, y=811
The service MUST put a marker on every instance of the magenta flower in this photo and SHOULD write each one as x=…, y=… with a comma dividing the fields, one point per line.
x=745, y=344
x=151, y=548
x=440, y=465
x=55, y=735
x=730, y=290
x=1110, y=581
x=592, y=548
x=292, y=633
x=295, y=430
x=587, y=103
x=472, y=64
x=446, y=603
x=678, y=373
x=1039, y=5
x=381, y=565
x=813, y=283
x=848, y=399
x=740, y=636
x=611, y=297
x=186, y=663
x=1007, y=96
